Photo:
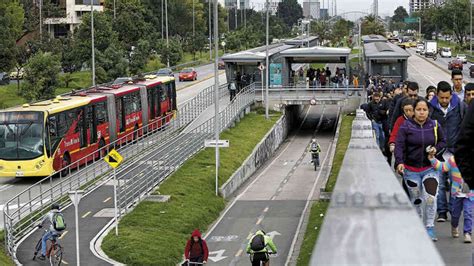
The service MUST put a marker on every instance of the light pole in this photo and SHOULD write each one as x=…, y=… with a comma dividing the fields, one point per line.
x=267, y=66
x=210, y=31
x=162, y=20
x=75, y=197
x=115, y=12
x=167, y=40
x=470, y=36
x=216, y=90
x=41, y=20
x=93, y=44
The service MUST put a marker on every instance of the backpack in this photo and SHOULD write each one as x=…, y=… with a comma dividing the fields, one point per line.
x=258, y=243
x=58, y=222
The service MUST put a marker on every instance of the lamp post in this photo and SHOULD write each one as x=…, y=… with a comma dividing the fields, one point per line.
x=41, y=19
x=266, y=64
x=75, y=197
x=216, y=90
x=210, y=31
x=93, y=43
x=115, y=12
x=470, y=36
x=167, y=39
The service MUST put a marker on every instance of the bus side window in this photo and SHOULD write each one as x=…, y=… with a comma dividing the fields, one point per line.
x=164, y=93
x=52, y=126
x=101, y=113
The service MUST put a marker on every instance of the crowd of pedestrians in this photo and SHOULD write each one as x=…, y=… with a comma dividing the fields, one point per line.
x=431, y=139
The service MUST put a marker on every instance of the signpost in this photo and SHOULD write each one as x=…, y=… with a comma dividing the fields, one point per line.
x=410, y=20
x=114, y=159
x=212, y=143
x=75, y=197
x=261, y=67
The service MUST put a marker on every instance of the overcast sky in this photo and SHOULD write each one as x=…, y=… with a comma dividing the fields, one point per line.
x=386, y=7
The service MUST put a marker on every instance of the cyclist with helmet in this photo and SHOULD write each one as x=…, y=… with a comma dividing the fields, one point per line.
x=258, y=248
x=314, y=149
x=56, y=227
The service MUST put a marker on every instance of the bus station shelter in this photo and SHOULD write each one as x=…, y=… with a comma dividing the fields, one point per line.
x=387, y=60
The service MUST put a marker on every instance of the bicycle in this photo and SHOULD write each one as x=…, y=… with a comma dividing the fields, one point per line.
x=261, y=263
x=54, y=251
x=315, y=160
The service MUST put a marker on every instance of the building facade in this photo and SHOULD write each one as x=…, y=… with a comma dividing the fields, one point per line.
x=311, y=9
x=240, y=4
x=418, y=5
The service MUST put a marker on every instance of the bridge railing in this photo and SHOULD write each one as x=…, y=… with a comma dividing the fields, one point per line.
x=24, y=211
x=370, y=220
x=307, y=93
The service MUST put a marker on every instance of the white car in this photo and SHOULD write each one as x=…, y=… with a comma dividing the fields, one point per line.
x=462, y=57
x=445, y=52
x=419, y=48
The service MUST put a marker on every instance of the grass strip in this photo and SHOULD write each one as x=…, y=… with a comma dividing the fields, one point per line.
x=341, y=147
x=156, y=233
x=316, y=218
x=319, y=208
x=5, y=260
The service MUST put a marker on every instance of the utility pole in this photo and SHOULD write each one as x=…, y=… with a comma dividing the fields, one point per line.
x=267, y=64
x=216, y=90
x=115, y=12
x=470, y=36
x=167, y=39
x=210, y=30
x=419, y=27
x=41, y=19
x=162, y=20
x=93, y=43
x=235, y=15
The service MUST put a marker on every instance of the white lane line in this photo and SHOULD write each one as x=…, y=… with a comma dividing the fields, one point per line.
x=63, y=234
x=239, y=252
x=5, y=187
x=86, y=214
x=107, y=199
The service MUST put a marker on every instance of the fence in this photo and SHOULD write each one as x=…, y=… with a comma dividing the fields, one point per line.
x=25, y=210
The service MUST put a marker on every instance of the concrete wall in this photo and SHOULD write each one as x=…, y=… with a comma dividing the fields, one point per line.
x=262, y=152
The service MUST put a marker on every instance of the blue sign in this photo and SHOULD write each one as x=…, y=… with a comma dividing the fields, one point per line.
x=275, y=74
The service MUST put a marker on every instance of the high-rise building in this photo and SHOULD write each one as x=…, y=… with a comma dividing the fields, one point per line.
x=324, y=13
x=311, y=9
x=417, y=5
x=274, y=6
x=239, y=4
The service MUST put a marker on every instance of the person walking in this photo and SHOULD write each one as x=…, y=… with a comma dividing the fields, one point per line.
x=458, y=84
x=468, y=93
x=196, y=249
x=232, y=90
x=449, y=111
x=464, y=148
x=377, y=113
x=413, y=138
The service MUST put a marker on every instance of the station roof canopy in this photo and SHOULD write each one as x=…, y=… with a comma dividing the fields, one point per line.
x=317, y=54
x=300, y=40
x=380, y=50
x=373, y=38
x=256, y=54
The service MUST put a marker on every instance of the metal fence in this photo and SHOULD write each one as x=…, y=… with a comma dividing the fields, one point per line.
x=25, y=210
x=168, y=157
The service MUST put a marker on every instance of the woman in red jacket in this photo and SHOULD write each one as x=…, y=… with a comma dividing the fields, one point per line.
x=407, y=107
x=196, y=249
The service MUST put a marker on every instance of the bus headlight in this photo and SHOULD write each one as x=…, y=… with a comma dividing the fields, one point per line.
x=39, y=164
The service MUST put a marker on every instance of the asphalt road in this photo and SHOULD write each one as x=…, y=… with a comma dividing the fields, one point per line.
x=9, y=187
x=275, y=198
x=453, y=251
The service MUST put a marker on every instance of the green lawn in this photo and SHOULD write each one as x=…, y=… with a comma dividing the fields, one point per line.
x=355, y=51
x=341, y=147
x=4, y=258
x=156, y=233
x=316, y=218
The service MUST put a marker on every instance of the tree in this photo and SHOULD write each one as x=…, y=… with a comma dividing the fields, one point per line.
x=341, y=29
x=399, y=14
x=454, y=15
x=140, y=56
x=11, y=29
x=370, y=25
x=111, y=64
x=174, y=52
x=40, y=77
x=289, y=11
x=22, y=55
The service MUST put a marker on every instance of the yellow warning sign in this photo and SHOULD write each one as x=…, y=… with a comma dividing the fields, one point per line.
x=113, y=158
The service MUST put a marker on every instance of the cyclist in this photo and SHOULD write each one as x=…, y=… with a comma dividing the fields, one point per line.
x=196, y=249
x=258, y=248
x=314, y=149
x=57, y=226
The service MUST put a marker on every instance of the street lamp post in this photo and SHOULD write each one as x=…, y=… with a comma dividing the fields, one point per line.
x=115, y=12
x=167, y=39
x=41, y=20
x=470, y=36
x=75, y=197
x=210, y=31
x=216, y=90
x=266, y=64
x=93, y=43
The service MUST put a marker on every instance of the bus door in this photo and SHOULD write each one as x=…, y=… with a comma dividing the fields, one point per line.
x=152, y=102
x=174, y=96
x=91, y=119
x=169, y=88
x=120, y=115
x=82, y=126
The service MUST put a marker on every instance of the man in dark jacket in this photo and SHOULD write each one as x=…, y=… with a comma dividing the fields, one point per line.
x=464, y=152
x=412, y=92
x=377, y=113
x=449, y=110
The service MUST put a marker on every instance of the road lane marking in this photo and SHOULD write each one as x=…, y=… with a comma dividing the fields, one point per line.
x=107, y=199
x=86, y=214
x=5, y=187
x=266, y=209
x=64, y=262
x=239, y=253
x=249, y=236
x=63, y=234
x=259, y=221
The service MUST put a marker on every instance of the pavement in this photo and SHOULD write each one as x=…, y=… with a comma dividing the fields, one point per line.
x=9, y=187
x=453, y=251
x=275, y=197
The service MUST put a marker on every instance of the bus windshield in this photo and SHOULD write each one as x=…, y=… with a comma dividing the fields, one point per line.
x=21, y=135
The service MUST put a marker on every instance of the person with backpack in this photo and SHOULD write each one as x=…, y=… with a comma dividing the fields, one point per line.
x=258, y=248
x=232, y=87
x=57, y=226
x=196, y=249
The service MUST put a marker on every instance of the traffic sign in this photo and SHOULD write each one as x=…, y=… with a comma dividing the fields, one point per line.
x=411, y=20
x=212, y=143
x=114, y=159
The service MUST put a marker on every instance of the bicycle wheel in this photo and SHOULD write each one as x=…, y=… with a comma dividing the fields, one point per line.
x=56, y=255
x=37, y=248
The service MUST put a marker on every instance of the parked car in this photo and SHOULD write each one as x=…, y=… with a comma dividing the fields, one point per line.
x=462, y=57
x=471, y=71
x=17, y=74
x=4, y=78
x=188, y=74
x=455, y=64
x=165, y=72
x=122, y=80
x=445, y=52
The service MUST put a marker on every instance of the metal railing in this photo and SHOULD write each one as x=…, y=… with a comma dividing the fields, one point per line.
x=24, y=211
x=145, y=176
x=307, y=93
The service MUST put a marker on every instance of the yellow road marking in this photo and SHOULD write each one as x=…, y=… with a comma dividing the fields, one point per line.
x=259, y=221
x=265, y=210
x=86, y=214
x=63, y=234
x=239, y=253
x=107, y=199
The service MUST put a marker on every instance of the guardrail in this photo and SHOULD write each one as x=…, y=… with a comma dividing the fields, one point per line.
x=144, y=177
x=24, y=211
x=370, y=220
x=307, y=93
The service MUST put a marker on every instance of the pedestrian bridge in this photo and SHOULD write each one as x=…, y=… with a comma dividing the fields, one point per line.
x=307, y=95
